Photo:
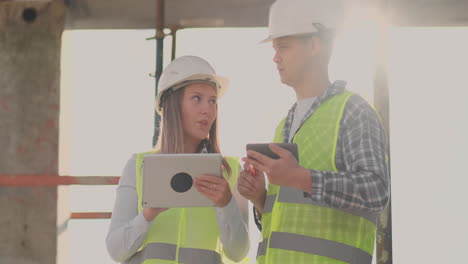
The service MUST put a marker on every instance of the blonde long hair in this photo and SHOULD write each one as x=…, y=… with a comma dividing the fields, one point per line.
x=171, y=134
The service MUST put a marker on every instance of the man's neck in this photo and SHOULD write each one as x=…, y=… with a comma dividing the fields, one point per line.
x=312, y=86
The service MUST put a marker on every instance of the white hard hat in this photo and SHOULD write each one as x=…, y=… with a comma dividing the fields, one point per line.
x=185, y=70
x=296, y=17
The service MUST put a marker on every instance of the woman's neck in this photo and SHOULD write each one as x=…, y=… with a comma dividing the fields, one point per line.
x=191, y=146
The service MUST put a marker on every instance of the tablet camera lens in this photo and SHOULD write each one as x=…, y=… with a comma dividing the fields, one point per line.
x=181, y=182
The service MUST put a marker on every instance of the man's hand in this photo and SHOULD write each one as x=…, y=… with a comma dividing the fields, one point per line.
x=284, y=171
x=214, y=188
x=251, y=185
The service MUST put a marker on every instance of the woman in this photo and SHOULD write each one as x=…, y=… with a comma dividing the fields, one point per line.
x=187, y=102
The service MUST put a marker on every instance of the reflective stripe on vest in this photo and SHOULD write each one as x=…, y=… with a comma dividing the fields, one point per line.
x=318, y=246
x=269, y=202
x=168, y=252
x=262, y=246
x=198, y=256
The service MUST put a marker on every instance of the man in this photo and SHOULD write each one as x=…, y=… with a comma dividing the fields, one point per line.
x=324, y=208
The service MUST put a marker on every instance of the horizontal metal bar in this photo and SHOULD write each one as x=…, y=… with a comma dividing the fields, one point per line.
x=53, y=180
x=90, y=215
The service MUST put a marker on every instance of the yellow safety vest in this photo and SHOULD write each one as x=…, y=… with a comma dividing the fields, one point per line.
x=298, y=230
x=182, y=235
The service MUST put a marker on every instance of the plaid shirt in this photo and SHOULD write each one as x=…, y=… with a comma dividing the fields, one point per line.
x=362, y=180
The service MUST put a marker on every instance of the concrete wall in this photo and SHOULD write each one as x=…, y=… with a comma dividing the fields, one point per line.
x=30, y=41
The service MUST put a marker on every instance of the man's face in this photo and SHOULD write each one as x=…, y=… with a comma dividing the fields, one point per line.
x=293, y=58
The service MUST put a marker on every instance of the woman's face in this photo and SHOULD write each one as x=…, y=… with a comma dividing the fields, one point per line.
x=199, y=110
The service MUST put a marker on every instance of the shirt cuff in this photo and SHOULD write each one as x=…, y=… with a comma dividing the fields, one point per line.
x=140, y=223
x=317, y=185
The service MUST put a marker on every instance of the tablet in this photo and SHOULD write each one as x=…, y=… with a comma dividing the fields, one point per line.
x=265, y=149
x=168, y=179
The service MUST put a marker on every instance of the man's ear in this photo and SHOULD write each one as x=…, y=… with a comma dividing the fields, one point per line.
x=314, y=46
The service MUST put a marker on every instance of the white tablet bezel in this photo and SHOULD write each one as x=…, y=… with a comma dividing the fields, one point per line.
x=158, y=170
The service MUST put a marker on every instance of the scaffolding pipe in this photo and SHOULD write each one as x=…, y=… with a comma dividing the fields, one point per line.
x=29, y=180
x=159, y=60
x=174, y=43
x=90, y=215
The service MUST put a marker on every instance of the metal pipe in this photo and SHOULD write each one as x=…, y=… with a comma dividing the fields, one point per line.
x=159, y=60
x=29, y=180
x=384, y=225
x=381, y=101
x=174, y=42
x=90, y=215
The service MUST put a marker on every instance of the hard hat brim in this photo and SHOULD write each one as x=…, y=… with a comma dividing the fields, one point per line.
x=279, y=35
x=268, y=39
x=220, y=81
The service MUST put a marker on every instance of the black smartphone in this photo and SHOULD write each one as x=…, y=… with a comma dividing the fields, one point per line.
x=265, y=149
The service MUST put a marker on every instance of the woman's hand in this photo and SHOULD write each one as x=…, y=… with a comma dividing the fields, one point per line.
x=151, y=213
x=251, y=185
x=214, y=188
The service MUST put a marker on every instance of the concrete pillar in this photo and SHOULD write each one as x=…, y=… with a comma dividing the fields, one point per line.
x=30, y=42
